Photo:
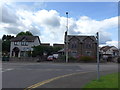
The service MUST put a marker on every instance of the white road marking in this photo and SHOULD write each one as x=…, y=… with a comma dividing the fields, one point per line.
x=79, y=70
x=5, y=70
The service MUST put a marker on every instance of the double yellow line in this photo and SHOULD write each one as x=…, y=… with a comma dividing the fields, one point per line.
x=52, y=79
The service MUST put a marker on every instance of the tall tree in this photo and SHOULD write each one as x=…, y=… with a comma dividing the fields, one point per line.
x=7, y=37
x=4, y=37
x=6, y=46
x=6, y=43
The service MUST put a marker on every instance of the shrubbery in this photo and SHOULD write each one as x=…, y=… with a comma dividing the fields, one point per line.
x=78, y=59
x=87, y=58
x=72, y=59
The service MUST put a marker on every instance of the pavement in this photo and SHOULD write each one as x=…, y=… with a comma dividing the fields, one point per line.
x=52, y=75
x=74, y=81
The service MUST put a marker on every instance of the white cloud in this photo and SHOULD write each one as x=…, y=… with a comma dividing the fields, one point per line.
x=50, y=26
x=87, y=25
x=110, y=43
x=114, y=43
x=47, y=18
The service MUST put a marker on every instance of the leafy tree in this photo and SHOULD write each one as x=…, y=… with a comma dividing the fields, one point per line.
x=39, y=50
x=56, y=49
x=4, y=37
x=6, y=43
x=6, y=46
x=21, y=33
x=29, y=33
x=25, y=33
x=7, y=37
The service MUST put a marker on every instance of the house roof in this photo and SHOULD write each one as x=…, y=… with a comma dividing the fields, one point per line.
x=26, y=38
x=82, y=38
x=105, y=48
x=62, y=50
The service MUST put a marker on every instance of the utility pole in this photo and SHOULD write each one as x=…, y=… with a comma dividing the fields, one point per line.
x=67, y=39
x=98, y=61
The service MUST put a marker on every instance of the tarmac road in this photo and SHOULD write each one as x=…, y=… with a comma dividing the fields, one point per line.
x=57, y=75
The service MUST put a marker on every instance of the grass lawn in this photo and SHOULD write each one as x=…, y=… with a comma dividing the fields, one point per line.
x=108, y=81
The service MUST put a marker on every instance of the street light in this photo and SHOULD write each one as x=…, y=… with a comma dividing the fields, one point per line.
x=67, y=39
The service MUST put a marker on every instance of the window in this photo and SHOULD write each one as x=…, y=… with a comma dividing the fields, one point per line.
x=74, y=53
x=15, y=43
x=88, y=53
x=24, y=43
x=74, y=44
x=88, y=46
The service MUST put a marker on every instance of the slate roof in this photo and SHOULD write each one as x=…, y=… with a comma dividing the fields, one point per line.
x=82, y=38
x=26, y=38
x=105, y=48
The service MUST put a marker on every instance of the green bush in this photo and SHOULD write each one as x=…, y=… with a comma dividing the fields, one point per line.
x=62, y=57
x=72, y=59
x=87, y=58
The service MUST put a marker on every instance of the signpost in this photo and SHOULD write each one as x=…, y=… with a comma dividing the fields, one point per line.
x=67, y=39
x=98, y=66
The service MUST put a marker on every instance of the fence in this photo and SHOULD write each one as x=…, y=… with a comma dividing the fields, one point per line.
x=24, y=59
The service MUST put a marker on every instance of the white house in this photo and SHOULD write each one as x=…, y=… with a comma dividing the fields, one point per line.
x=109, y=51
x=20, y=45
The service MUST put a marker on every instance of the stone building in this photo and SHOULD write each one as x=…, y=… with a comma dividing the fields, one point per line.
x=81, y=45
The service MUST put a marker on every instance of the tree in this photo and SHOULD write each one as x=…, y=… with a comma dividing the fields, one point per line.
x=29, y=33
x=6, y=46
x=6, y=43
x=21, y=33
x=25, y=33
x=39, y=50
x=4, y=37
x=7, y=37
x=56, y=49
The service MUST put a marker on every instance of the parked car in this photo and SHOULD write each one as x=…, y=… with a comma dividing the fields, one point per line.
x=50, y=58
x=55, y=56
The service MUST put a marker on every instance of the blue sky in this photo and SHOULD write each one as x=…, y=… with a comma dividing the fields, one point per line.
x=48, y=19
x=95, y=10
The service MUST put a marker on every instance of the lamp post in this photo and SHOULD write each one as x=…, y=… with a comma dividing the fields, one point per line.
x=67, y=39
x=98, y=66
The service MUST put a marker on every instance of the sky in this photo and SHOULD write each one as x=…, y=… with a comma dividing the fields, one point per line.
x=48, y=20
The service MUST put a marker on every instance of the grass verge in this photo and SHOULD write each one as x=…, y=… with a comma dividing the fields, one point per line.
x=108, y=81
